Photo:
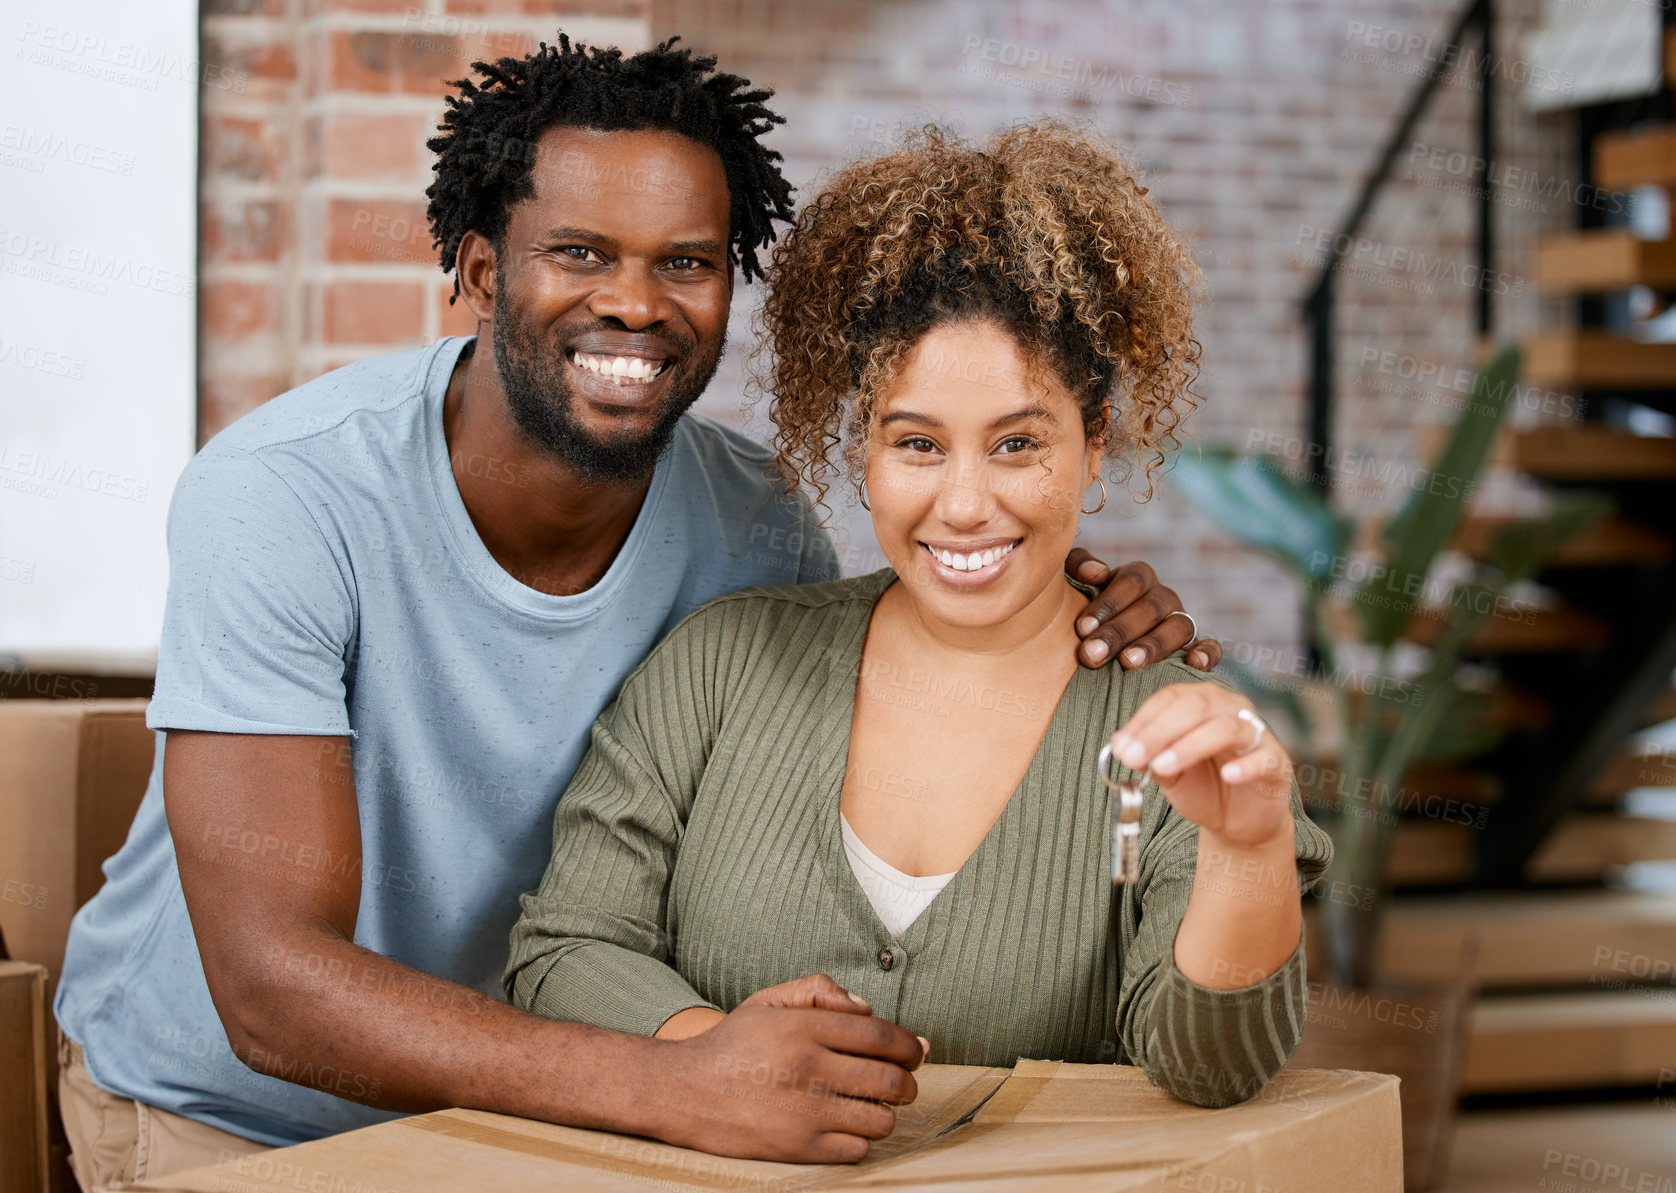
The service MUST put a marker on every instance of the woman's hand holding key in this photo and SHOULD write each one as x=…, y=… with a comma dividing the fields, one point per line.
x=1220, y=768
x=1215, y=761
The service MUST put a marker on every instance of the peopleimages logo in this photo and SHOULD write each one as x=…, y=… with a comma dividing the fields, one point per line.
x=1431, y=376
x=1402, y=265
x=42, y=360
x=1358, y=465
x=42, y=473
x=1035, y=69
x=37, y=145
x=1461, y=62
x=1360, y=1004
x=46, y=259
x=96, y=55
x=1504, y=180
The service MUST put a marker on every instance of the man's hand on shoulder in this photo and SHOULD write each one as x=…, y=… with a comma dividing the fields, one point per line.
x=1135, y=619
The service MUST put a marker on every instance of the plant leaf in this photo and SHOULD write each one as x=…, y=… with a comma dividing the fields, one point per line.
x=1430, y=517
x=1259, y=504
x=1465, y=729
x=1520, y=548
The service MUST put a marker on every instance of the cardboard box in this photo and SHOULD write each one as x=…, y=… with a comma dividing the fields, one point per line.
x=71, y=776
x=1043, y=1127
x=24, y=1161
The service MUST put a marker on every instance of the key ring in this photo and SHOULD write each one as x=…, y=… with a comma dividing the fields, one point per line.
x=1121, y=787
x=1126, y=806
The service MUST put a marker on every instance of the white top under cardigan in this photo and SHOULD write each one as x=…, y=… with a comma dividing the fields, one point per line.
x=898, y=898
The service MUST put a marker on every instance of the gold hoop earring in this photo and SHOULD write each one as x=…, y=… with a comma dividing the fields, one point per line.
x=1102, y=505
x=863, y=492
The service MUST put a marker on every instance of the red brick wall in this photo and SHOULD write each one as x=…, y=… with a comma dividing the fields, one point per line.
x=314, y=246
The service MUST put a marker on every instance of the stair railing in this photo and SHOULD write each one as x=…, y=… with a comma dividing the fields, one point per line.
x=1476, y=19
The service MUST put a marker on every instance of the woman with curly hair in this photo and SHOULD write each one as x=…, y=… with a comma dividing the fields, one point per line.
x=889, y=781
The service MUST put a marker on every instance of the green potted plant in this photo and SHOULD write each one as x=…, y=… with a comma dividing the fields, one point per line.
x=1392, y=718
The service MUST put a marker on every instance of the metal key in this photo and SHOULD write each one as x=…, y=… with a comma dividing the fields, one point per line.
x=1126, y=819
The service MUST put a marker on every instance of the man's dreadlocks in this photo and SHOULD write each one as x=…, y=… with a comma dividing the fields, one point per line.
x=486, y=148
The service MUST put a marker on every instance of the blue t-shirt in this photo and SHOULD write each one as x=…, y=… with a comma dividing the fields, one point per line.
x=325, y=578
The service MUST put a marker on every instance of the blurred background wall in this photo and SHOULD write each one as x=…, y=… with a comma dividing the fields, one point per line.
x=1254, y=124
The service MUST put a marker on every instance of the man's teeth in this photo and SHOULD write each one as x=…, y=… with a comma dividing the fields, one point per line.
x=619, y=368
x=973, y=561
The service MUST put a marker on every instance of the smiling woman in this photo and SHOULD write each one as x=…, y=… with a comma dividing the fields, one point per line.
x=885, y=787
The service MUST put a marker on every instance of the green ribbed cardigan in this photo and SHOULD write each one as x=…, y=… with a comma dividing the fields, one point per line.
x=697, y=858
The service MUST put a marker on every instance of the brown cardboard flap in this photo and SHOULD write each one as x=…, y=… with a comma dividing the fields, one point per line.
x=23, y=1078
x=1057, y=1127
x=1046, y=1127
x=72, y=772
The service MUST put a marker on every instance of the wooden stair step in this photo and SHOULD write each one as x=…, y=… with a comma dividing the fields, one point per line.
x=1508, y=629
x=1521, y=631
x=1501, y=707
x=1504, y=1148
x=1572, y=359
x=1662, y=709
x=1590, y=1040
x=1585, y=846
x=1423, y=784
x=1602, y=259
x=1636, y=157
x=1429, y=853
x=1507, y=709
x=1528, y=939
x=1636, y=768
x=1586, y=452
x=1602, y=801
x=1616, y=542
x=1498, y=1149
x=1448, y=780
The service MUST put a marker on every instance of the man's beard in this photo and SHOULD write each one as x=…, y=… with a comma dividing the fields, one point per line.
x=532, y=375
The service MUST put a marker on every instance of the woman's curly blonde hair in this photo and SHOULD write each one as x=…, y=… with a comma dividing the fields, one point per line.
x=1042, y=230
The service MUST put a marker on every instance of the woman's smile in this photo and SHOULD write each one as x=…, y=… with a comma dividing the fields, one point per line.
x=970, y=565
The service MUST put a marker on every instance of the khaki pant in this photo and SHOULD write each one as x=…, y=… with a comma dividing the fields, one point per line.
x=115, y=1140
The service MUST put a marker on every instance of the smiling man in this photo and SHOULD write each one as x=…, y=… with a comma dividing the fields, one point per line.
x=399, y=597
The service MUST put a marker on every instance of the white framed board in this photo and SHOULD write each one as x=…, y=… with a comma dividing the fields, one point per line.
x=98, y=324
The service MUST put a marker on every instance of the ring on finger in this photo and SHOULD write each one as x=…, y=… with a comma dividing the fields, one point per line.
x=1256, y=722
x=1194, y=626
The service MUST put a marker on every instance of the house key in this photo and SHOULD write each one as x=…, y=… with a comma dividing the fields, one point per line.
x=1126, y=819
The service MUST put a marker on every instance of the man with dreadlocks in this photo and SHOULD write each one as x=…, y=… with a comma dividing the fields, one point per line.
x=399, y=597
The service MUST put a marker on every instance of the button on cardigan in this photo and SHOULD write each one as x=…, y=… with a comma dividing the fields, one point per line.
x=698, y=857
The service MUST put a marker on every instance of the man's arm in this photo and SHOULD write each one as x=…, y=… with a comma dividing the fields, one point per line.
x=275, y=928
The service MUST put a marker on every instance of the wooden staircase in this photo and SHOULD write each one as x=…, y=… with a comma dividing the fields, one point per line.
x=1577, y=968
x=1578, y=991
